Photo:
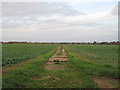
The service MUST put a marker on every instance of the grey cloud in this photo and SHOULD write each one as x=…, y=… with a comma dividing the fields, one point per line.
x=86, y=24
x=18, y=14
x=34, y=22
x=115, y=10
x=14, y=22
x=51, y=21
x=37, y=8
x=70, y=34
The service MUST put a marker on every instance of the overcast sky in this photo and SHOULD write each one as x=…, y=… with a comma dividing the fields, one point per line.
x=60, y=21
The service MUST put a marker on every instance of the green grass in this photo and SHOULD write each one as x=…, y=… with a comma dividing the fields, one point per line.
x=65, y=79
x=14, y=53
x=92, y=66
x=20, y=77
x=60, y=53
x=86, y=61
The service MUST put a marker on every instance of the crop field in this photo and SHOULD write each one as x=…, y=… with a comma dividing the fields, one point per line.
x=102, y=54
x=60, y=66
x=96, y=60
x=14, y=53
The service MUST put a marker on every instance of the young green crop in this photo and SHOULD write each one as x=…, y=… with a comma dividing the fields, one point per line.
x=102, y=54
x=14, y=53
x=96, y=60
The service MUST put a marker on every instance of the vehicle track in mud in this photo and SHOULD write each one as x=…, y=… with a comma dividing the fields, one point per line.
x=57, y=62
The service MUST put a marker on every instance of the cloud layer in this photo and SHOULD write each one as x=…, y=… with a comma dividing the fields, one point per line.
x=48, y=21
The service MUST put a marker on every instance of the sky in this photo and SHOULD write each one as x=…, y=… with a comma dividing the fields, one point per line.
x=60, y=21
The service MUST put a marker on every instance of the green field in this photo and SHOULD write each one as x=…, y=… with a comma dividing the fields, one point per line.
x=95, y=60
x=88, y=62
x=14, y=53
x=101, y=54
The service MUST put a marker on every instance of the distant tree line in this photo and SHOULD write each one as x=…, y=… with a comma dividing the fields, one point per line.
x=81, y=43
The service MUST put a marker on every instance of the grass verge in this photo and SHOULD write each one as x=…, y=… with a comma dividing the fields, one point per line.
x=19, y=77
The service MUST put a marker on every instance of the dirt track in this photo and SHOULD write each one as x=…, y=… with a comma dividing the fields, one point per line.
x=57, y=62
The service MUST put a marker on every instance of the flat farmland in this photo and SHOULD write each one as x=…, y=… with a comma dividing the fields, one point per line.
x=14, y=53
x=102, y=54
x=60, y=66
x=99, y=62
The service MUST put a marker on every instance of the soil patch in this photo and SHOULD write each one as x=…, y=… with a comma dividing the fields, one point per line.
x=71, y=69
x=59, y=59
x=54, y=67
x=89, y=54
x=45, y=77
x=103, y=82
x=60, y=50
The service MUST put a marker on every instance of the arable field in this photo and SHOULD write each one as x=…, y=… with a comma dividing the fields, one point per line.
x=100, y=62
x=101, y=54
x=14, y=53
x=60, y=66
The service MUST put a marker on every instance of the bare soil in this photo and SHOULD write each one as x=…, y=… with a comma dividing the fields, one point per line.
x=60, y=59
x=45, y=77
x=89, y=54
x=60, y=56
x=54, y=67
x=103, y=82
